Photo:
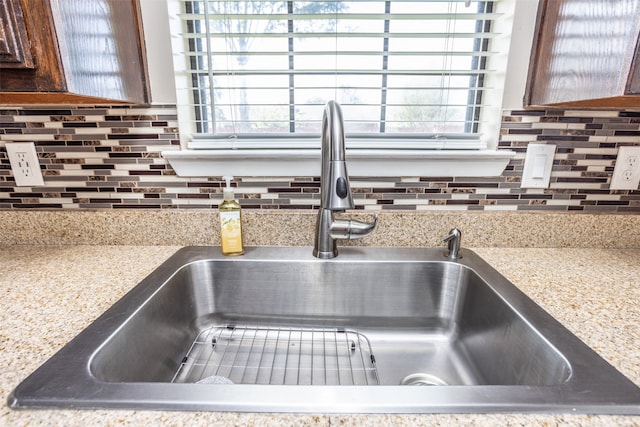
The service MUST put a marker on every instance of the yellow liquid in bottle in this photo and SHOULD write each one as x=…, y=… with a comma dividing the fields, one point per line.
x=231, y=228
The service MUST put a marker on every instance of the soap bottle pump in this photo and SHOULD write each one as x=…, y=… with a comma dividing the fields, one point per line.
x=230, y=222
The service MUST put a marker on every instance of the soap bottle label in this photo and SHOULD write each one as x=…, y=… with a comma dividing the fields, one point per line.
x=231, y=232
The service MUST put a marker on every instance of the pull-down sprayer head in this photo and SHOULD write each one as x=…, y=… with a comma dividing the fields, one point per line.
x=335, y=187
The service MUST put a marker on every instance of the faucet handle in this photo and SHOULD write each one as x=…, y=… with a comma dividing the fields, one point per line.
x=360, y=229
x=453, y=241
x=352, y=229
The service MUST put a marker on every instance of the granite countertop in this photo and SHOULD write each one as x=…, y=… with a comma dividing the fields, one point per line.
x=50, y=293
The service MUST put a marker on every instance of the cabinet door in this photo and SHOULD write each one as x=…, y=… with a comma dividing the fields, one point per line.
x=15, y=49
x=102, y=48
x=633, y=87
x=29, y=31
x=584, y=50
x=72, y=51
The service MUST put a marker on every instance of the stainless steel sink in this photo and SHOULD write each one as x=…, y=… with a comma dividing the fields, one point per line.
x=279, y=330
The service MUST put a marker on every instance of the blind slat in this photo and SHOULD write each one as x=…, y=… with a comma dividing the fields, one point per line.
x=303, y=72
x=224, y=16
x=350, y=35
x=342, y=53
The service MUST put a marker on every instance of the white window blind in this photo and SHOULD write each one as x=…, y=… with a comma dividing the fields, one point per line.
x=407, y=73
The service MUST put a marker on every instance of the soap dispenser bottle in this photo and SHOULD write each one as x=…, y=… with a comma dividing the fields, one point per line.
x=230, y=222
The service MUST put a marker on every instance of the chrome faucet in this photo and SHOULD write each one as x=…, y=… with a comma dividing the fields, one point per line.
x=335, y=190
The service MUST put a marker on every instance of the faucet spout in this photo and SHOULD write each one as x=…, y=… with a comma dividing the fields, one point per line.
x=335, y=189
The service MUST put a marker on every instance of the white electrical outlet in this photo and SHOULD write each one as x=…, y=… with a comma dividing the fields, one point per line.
x=24, y=163
x=626, y=173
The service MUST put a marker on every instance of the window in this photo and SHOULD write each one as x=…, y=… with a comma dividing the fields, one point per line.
x=422, y=83
x=403, y=71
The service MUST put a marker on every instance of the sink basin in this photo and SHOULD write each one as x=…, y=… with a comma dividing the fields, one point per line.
x=375, y=330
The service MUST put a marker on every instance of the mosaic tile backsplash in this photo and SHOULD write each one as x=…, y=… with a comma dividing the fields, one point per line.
x=105, y=157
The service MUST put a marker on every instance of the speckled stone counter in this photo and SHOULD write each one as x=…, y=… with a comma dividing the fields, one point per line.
x=50, y=293
x=296, y=228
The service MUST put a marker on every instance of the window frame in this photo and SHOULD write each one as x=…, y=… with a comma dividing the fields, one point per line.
x=379, y=162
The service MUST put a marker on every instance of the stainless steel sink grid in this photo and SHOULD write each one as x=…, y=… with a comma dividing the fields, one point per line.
x=293, y=356
x=415, y=318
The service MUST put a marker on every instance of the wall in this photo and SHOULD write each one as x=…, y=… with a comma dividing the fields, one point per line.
x=104, y=157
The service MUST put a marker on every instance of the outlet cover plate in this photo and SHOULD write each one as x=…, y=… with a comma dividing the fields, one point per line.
x=626, y=173
x=24, y=164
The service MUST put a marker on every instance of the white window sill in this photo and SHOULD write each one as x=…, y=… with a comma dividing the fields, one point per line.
x=361, y=162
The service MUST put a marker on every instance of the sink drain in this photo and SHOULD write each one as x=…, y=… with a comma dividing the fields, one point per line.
x=422, y=379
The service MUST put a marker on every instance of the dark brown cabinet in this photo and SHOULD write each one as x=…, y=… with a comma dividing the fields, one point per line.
x=72, y=51
x=15, y=51
x=586, y=54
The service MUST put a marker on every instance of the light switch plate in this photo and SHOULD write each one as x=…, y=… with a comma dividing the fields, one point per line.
x=537, y=166
x=626, y=173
